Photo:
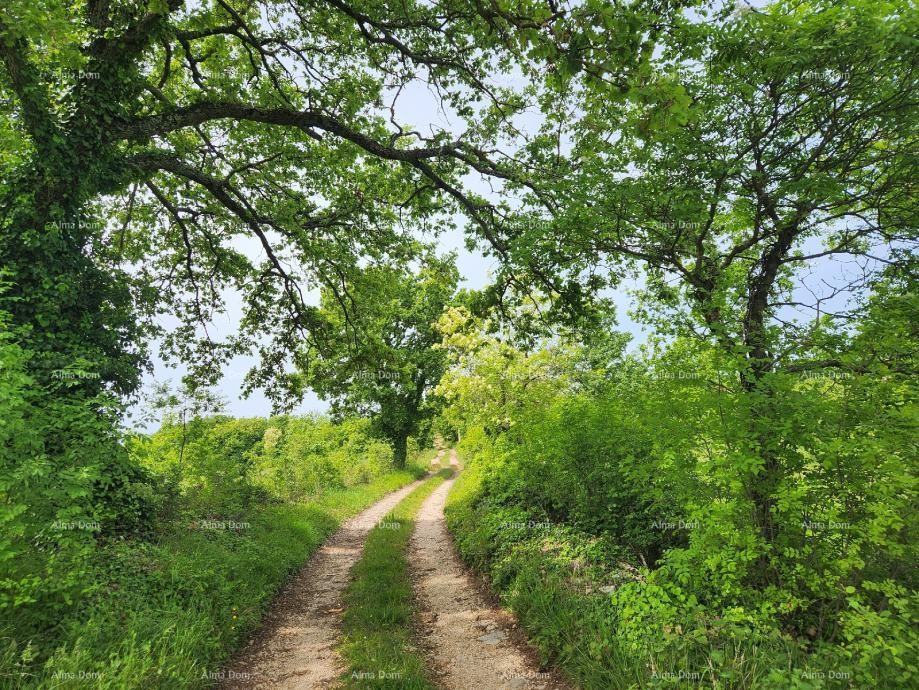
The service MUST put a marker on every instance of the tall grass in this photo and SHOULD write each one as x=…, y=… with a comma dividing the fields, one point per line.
x=238, y=505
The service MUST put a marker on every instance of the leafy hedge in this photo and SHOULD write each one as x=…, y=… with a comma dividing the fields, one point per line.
x=226, y=464
x=66, y=481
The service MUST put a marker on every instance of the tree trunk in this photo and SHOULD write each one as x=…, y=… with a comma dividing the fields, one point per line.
x=755, y=379
x=762, y=486
x=400, y=450
x=70, y=312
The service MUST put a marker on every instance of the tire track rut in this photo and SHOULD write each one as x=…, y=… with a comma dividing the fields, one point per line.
x=471, y=643
x=296, y=646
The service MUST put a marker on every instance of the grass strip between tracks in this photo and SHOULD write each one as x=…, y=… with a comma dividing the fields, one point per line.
x=378, y=642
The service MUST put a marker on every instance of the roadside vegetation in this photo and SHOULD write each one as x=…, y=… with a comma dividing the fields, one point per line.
x=379, y=643
x=234, y=507
x=730, y=499
x=603, y=502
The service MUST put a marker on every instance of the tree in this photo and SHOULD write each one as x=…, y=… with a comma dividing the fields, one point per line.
x=757, y=148
x=377, y=355
x=193, y=120
x=181, y=406
x=158, y=155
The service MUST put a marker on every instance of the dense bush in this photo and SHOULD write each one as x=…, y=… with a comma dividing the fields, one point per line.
x=224, y=464
x=66, y=481
x=615, y=515
x=613, y=617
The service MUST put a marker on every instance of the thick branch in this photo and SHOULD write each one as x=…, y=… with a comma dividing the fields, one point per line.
x=193, y=115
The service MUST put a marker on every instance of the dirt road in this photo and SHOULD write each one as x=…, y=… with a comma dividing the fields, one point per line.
x=470, y=642
x=295, y=648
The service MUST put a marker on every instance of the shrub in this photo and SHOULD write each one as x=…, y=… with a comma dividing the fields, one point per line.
x=649, y=561
x=66, y=480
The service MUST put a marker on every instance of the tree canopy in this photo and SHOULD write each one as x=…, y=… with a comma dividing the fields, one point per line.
x=784, y=156
x=166, y=153
x=377, y=355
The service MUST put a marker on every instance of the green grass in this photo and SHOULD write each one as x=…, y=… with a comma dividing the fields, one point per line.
x=378, y=605
x=574, y=625
x=171, y=612
x=424, y=457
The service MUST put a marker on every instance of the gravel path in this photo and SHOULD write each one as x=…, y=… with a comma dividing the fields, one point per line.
x=296, y=647
x=471, y=643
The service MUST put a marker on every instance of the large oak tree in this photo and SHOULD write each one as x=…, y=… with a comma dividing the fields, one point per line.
x=160, y=154
x=379, y=354
x=157, y=155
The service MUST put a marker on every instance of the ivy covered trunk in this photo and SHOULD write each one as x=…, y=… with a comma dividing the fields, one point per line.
x=762, y=485
x=65, y=308
x=72, y=320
